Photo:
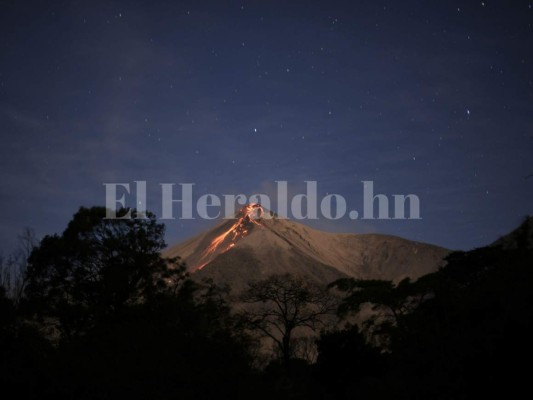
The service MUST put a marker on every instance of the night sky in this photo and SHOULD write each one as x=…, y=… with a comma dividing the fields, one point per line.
x=433, y=98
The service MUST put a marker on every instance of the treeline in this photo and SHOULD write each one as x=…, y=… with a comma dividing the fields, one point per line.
x=97, y=313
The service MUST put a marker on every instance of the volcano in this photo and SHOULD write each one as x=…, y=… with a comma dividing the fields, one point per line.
x=256, y=243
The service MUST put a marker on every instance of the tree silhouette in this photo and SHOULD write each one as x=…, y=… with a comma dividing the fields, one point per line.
x=396, y=299
x=390, y=303
x=13, y=268
x=97, y=267
x=282, y=303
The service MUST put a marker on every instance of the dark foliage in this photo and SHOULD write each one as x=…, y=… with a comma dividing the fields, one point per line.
x=466, y=332
x=97, y=267
x=104, y=316
x=346, y=363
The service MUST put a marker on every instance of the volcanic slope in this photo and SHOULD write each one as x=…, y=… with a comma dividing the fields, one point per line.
x=256, y=244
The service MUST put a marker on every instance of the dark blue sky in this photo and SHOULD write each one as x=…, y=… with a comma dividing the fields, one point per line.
x=427, y=97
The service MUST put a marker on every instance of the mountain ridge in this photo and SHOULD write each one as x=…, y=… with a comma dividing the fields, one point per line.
x=257, y=243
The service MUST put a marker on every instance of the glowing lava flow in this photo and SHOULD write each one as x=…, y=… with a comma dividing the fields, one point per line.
x=250, y=214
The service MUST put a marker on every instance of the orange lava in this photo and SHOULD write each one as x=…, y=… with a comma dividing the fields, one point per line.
x=251, y=213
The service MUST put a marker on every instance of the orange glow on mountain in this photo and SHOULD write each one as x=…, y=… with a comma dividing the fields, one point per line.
x=250, y=214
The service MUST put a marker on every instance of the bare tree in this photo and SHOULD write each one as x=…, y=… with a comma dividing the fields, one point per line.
x=5, y=274
x=13, y=268
x=281, y=303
